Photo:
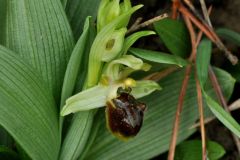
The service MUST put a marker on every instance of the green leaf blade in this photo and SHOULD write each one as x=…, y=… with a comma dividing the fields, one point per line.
x=158, y=57
x=192, y=150
x=27, y=108
x=203, y=61
x=229, y=35
x=175, y=36
x=130, y=40
x=223, y=116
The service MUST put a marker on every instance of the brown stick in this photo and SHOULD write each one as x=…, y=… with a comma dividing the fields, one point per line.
x=178, y=113
x=209, y=32
x=173, y=142
x=175, y=5
x=136, y=26
x=159, y=75
x=235, y=105
x=201, y=115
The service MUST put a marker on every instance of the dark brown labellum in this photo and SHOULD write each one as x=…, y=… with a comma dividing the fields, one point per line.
x=125, y=115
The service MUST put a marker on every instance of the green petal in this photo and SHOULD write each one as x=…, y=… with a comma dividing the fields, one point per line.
x=112, y=45
x=88, y=99
x=133, y=38
x=144, y=88
x=116, y=71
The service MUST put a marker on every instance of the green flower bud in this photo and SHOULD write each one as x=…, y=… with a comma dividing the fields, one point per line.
x=108, y=11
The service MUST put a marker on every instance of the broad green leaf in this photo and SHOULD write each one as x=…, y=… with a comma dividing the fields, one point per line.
x=5, y=138
x=64, y=3
x=222, y=115
x=3, y=14
x=39, y=32
x=154, y=137
x=229, y=35
x=28, y=111
x=174, y=35
x=192, y=150
x=7, y=154
x=77, y=11
x=203, y=60
x=158, y=57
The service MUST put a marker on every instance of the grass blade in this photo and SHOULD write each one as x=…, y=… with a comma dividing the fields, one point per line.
x=203, y=61
x=222, y=115
x=229, y=35
x=158, y=57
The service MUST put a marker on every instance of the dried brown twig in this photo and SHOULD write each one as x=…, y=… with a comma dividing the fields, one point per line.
x=201, y=115
x=137, y=25
x=173, y=142
x=209, y=32
x=195, y=41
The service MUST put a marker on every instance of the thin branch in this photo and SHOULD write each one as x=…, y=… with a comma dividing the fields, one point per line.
x=136, y=26
x=209, y=32
x=205, y=12
x=201, y=115
x=173, y=142
x=235, y=105
x=175, y=6
x=221, y=98
x=137, y=22
x=160, y=75
x=198, y=124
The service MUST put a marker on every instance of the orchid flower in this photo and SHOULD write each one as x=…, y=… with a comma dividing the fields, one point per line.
x=108, y=83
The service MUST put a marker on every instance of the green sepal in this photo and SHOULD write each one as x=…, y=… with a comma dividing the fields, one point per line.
x=94, y=97
x=130, y=40
x=144, y=88
x=112, y=45
x=116, y=71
